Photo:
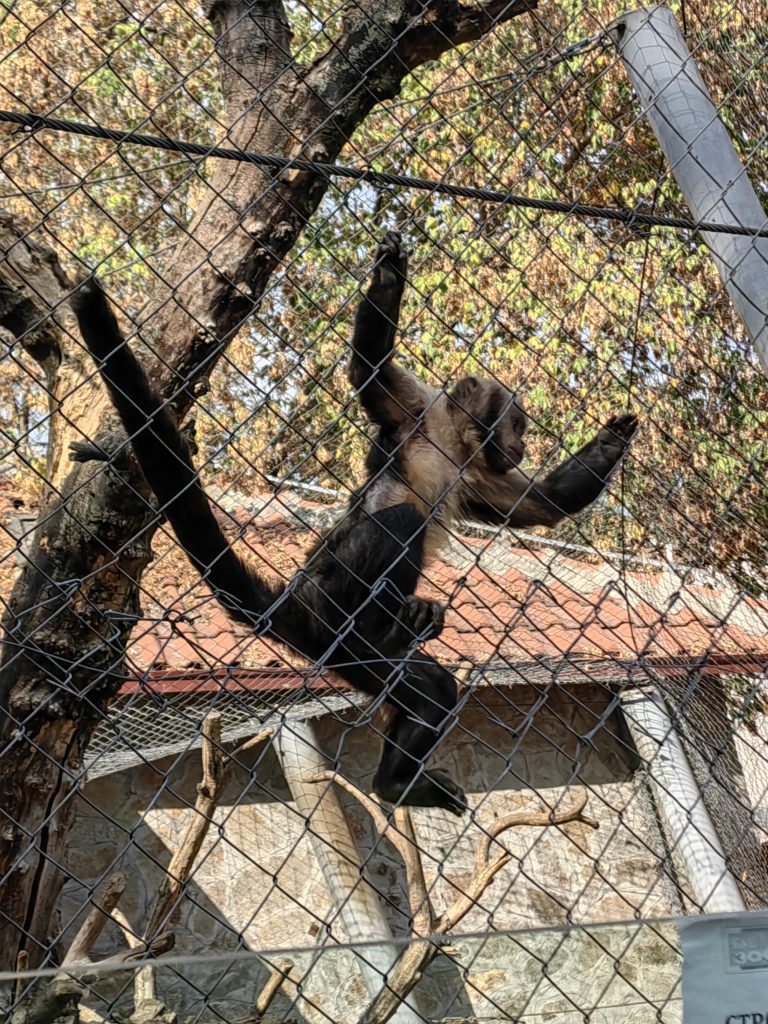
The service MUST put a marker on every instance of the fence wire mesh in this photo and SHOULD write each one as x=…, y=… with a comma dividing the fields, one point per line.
x=177, y=785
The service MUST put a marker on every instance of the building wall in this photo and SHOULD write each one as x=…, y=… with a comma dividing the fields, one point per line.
x=257, y=884
x=607, y=974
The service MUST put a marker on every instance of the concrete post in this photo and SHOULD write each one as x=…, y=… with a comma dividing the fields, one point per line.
x=359, y=910
x=675, y=100
x=691, y=831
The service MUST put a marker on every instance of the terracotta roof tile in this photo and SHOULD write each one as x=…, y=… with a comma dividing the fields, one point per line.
x=507, y=604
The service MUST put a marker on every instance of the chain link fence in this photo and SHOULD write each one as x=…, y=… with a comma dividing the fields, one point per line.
x=188, y=830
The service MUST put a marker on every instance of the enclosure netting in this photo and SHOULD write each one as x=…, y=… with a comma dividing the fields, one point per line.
x=177, y=785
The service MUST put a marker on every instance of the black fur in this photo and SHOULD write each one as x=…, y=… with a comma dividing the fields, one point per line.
x=352, y=607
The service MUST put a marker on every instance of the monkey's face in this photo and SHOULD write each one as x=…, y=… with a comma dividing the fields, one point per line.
x=493, y=422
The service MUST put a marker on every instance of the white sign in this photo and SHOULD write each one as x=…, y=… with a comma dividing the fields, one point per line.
x=725, y=969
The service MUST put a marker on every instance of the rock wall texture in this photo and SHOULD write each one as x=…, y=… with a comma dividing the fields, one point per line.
x=257, y=885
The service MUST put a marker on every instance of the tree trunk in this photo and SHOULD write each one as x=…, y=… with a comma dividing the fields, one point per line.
x=72, y=608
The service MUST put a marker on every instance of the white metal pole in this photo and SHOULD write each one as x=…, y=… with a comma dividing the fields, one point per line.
x=691, y=831
x=359, y=909
x=696, y=144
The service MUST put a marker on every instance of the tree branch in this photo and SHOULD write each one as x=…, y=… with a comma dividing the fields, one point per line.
x=486, y=871
x=278, y=974
x=432, y=34
x=422, y=914
x=420, y=953
x=250, y=744
x=162, y=943
x=178, y=871
x=380, y=820
x=97, y=917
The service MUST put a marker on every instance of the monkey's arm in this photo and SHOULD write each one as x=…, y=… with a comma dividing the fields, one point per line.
x=518, y=500
x=389, y=394
x=163, y=455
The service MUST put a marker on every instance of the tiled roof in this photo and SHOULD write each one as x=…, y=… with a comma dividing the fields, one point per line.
x=508, y=606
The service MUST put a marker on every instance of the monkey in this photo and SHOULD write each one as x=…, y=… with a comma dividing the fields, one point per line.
x=438, y=456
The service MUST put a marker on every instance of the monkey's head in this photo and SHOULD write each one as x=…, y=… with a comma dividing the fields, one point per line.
x=491, y=422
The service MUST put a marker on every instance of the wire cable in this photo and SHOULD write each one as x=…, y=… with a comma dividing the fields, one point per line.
x=36, y=122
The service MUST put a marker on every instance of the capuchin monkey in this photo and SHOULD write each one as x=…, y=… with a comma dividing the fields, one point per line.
x=438, y=457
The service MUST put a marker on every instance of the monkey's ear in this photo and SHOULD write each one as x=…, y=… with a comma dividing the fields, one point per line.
x=465, y=395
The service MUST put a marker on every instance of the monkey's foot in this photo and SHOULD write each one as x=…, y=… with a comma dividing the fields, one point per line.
x=425, y=619
x=430, y=789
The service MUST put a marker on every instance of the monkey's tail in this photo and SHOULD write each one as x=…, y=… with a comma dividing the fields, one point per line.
x=164, y=457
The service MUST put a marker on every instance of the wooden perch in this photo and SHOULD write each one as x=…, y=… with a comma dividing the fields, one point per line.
x=166, y=907
x=417, y=956
x=250, y=743
x=422, y=917
x=485, y=870
x=278, y=973
x=146, y=1004
x=159, y=944
x=95, y=920
x=216, y=765
x=22, y=965
x=60, y=996
x=132, y=938
x=156, y=940
x=380, y=820
x=64, y=990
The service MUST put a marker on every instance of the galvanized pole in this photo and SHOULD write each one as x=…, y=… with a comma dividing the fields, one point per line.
x=691, y=831
x=696, y=144
x=356, y=902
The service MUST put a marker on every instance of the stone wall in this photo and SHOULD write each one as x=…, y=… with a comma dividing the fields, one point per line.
x=606, y=974
x=257, y=886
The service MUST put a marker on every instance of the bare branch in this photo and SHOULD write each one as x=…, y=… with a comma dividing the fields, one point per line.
x=162, y=943
x=381, y=822
x=433, y=34
x=278, y=974
x=96, y=918
x=166, y=905
x=131, y=936
x=250, y=744
x=423, y=919
x=144, y=983
x=420, y=953
x=406, y=974
x=22, y=964
x=485, y=872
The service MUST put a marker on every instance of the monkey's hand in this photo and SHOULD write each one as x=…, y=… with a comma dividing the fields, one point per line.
x=416, y=622
x=614, y=437
x=423, y=619
x=391, y=262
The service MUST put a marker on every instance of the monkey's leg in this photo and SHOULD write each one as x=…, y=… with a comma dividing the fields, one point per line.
x=370, y=571
x=424, y=698
x=422, y=695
